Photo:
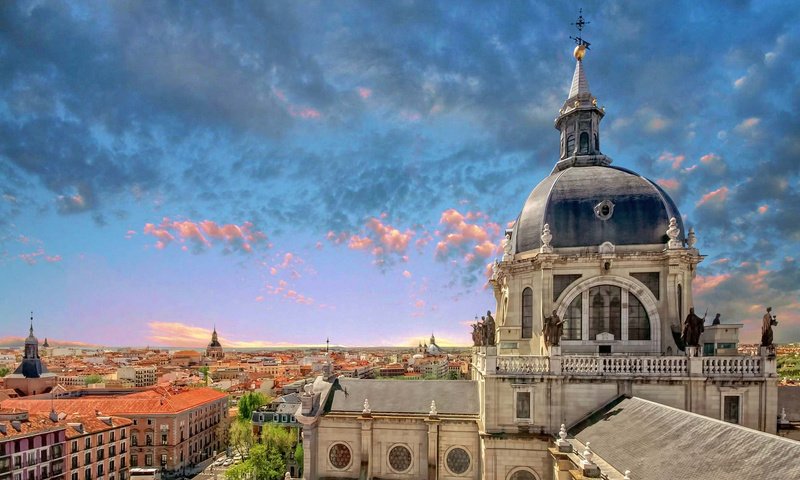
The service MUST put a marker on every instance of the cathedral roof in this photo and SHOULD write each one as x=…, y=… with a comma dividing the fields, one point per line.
x=639, y=210
x=458, y=397
x=660, y=442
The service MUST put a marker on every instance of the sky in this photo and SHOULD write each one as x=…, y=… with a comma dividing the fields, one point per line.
x=291, y=171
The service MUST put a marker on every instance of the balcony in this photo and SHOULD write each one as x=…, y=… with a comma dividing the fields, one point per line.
x=735, y=366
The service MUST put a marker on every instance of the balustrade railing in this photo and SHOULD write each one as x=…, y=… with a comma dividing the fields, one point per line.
x=739, y=366
x=524, y=364
x=646, y=365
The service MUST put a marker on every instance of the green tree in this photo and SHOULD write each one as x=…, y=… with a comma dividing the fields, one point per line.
x=298, y=455
x=249, y=403
x=264, y=463
x=241, y=436
x=94, y=378
x=4, y=371
x=453, y=375
x=279, y=438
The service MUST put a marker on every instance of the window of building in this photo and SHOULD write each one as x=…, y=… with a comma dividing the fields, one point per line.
x=522, y=475
x=148, y=439
x=163, y=439
x=101, y=454
x=400, y=458
x=134, y=460
x=596, y=143
x=339, y=456
x=148, y=460
x=523, y=409
x=74, y=475
x=163, y=459
x=731, y=408
x=112, y=450
x=561, y=282
x=87, y=473
x=100, y=439
x=651, y=280
x=111, y=436
x=638, y=321
x=74, y=461
x=100, y=470
x=573, y=319
x=605, y=312
x=570, y=144
x=87, y=458
x=88, y=442
x=458, y=460
x=111, y=465
x=74, y=446
x=134, y=440
x=584, y=143
x=527, y=313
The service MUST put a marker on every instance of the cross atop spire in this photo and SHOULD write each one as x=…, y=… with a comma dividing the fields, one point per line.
x=31, y=329
x=580, y=24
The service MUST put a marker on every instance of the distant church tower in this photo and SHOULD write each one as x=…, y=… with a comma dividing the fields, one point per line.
x=214, y=349
x=31, y=376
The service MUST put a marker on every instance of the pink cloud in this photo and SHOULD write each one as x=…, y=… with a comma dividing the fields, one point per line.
x=458, y=232
x=709, y=158
x=304, y=112
x=705, y=284
x=364, y=92
x=391, y=238
x=260, y=298
x=52, y=258
x=763, y=209
x=130, y=233
x=203, y=234
x=717, y=196
x=419, y=304
x=675, y=160
x=668, y=183
x=359, y=243
x=406, y=274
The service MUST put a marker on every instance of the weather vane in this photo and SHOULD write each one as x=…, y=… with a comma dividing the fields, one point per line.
x=579, y=24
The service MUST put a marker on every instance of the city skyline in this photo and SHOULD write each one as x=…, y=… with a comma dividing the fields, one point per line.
x=292, y=172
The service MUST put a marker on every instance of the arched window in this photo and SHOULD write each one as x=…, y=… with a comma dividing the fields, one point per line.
x=527, y=313
x=570, y=144
x=596, y=143
x=584, y=143
x=573, y=320
x=638, y=321
x=605, y=314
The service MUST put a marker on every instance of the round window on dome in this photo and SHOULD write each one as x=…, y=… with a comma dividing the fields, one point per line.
x=604, y=209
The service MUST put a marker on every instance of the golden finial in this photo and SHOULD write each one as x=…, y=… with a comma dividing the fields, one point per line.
x=579, y=52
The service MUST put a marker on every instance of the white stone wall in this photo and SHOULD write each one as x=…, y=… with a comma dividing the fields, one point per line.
x=370, y=441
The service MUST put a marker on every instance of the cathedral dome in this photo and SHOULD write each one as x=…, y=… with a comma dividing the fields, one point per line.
x=585, y=201
x=585, y=206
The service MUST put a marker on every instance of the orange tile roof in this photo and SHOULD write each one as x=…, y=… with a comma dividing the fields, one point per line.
x=154, y=401
x=36, y=423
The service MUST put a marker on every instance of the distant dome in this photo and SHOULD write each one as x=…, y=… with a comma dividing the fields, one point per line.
x=586, y=206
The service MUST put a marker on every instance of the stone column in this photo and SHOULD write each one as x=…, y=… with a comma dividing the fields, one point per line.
x=366, y=444
x=433, y=447
x=310, y=452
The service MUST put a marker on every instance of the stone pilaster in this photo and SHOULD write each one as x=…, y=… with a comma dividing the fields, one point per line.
x=433, y=447
x=366, y=444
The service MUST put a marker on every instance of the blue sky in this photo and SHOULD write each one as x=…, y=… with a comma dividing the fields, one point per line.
x=291, y=171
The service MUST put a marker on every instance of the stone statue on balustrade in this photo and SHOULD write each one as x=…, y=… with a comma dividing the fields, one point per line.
x=490, y=329
x=692, y=328
x=552, y=330
x=477, y=329
x=768, y=321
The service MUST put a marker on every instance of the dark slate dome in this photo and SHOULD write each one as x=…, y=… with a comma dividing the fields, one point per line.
x=586, y=206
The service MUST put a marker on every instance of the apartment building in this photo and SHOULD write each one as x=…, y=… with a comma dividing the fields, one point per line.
x=31, y=446
x=97, y=447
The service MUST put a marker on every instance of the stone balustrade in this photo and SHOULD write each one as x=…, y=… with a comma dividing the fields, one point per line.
x=623, y=365
x=736, y=366
x=523, y=364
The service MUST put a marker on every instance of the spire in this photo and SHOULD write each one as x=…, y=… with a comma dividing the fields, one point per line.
x=30, y=332
x=579, y=117
x=580, y=86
